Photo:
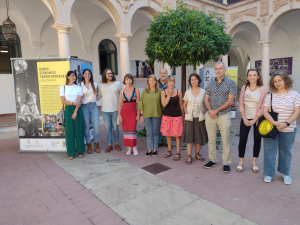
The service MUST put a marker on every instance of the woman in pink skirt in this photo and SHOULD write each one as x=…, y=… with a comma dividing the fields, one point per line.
x=172, y=120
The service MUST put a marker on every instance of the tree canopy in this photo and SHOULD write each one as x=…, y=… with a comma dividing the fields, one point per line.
x=184, y=36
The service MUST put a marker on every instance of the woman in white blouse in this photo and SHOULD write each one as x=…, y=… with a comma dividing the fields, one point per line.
x=90, y=110
x=194, y=130
x=71, y=95
x=251, y=101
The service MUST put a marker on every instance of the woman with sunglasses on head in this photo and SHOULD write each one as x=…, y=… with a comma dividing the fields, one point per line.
x=251, y=101
x=286, y=103
x=71, y=95
x=90, y=109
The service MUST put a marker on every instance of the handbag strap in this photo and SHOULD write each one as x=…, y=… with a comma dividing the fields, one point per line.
x=271, y=103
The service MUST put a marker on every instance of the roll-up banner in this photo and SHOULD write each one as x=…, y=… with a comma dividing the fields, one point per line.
x=37, y=84
x=208, y=74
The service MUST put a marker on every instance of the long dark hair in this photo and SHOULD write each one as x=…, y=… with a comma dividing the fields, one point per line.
x=91, y=79
x=197, y=76
x=259, y=81
x=68, y=75
x=104, y=80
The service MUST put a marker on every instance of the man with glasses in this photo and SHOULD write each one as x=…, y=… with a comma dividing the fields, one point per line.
x=109, y=90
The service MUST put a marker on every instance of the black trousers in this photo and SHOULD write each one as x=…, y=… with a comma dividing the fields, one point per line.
x=244, y=132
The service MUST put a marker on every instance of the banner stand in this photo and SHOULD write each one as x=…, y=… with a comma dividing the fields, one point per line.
x=37, y=84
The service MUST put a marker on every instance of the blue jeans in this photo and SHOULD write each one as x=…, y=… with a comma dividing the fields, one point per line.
x=110, y=122
x=284, y=142
x=91, y=115
x=152, y=128
x=160, y=140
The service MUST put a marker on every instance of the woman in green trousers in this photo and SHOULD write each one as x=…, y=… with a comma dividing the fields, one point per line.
x=71, y=95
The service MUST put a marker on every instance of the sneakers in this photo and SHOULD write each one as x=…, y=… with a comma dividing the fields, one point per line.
x=135, y=151
x=267, y=179
x=226, y=169
x=209, y=165
x=148, y=153
x=154, y=153
x=128, y=151
x=287, y=179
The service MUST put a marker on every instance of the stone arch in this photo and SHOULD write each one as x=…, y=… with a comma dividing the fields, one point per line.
x=247, y=19
x=151, y=10
x=113, y=8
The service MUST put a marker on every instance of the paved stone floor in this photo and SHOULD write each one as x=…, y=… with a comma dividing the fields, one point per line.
x=38, y=188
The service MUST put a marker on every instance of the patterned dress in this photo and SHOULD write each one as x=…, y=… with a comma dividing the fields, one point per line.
x=129, y=113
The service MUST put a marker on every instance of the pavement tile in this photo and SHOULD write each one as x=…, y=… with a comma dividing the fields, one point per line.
x=64, y=219
x=112, y=221
x=73, y=212
x=50, y=215
x=49, y=222
x=275, y=220
x=29, y=219
x=103, y=217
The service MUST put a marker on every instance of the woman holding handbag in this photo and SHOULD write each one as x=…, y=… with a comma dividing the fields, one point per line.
x=286, y=103
x=71, y=96
x=194, y=130
x=251, y=101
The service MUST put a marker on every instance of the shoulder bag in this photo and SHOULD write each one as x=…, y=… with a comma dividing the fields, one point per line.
x=61, y=114
x=265, y=128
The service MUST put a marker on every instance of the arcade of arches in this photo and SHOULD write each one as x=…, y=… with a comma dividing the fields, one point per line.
x=113, y=32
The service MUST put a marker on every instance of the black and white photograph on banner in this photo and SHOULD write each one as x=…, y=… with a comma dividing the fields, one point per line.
x=27, y=98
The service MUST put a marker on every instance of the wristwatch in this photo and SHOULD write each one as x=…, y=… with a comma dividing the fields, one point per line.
x=141, y=115
x=287, y=124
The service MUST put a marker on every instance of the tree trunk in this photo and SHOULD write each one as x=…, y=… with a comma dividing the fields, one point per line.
x=183, y=79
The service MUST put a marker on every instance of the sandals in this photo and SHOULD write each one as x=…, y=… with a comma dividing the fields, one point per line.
x=189, y=160
x=169, y=153
x=255, y=168
x=71, y=157
x=199, y=157
x=177, y=157
x=239, y=168
x=80, y=155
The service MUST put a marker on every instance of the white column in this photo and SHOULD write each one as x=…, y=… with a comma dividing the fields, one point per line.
x=124, y=54
x=168, y=68
x=225, y=2
x=265, y=67
x=63, y=38
x=225, y=60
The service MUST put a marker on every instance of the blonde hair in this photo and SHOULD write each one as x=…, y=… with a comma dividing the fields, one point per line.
x=148, y=86
x=171, y=78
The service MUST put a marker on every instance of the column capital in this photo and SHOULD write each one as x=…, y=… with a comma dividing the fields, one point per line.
x=62, y=27
x=265, y=42
x=123, y=36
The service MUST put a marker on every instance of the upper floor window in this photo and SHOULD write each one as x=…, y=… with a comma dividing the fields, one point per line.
x=8, y=50
x=108, y=56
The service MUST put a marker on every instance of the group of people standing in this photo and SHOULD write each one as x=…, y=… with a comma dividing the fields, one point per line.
x=193, y=118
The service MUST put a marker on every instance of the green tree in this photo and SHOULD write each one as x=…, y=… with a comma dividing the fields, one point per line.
x=183, y=37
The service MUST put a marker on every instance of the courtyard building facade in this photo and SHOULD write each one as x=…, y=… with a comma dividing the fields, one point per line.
x=112, y=33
